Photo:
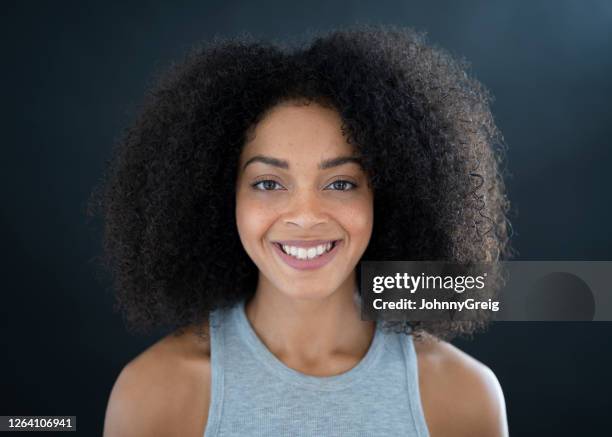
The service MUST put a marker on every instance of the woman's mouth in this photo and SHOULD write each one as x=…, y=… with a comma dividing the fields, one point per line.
x=306, y=255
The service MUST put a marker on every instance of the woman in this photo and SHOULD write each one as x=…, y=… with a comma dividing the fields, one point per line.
x=237, y=208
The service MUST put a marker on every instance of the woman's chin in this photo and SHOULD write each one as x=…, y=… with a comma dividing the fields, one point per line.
x=309, y=293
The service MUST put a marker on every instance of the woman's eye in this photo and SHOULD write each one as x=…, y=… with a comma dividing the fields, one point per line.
x=342, y=185
x=267, y=185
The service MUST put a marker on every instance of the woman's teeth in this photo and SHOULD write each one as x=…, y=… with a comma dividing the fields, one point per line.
x=307, y=253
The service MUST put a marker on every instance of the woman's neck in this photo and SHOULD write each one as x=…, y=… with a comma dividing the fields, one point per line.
x=320, y=337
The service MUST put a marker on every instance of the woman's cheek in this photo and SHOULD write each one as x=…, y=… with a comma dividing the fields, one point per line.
x=358, y=216
x=254, y=216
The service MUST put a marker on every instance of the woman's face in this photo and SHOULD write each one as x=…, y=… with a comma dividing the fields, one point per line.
x=304, y=208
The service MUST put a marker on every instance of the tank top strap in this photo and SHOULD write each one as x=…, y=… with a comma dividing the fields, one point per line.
x=412, y=375
x=216, y=336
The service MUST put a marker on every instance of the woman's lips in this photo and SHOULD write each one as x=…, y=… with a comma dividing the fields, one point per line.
x=304, y=243
x=307, y=264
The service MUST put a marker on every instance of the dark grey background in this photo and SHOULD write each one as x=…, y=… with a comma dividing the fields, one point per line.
x=72, y=72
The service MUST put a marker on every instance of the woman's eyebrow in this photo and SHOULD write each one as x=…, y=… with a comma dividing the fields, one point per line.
x=334, y=162
x=266, y=160
x=328, y=163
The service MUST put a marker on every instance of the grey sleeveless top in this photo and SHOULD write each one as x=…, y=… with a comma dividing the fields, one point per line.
x=254, y=394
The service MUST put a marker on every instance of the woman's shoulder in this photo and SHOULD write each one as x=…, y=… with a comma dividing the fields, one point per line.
x=163, y=391
x=460, y=395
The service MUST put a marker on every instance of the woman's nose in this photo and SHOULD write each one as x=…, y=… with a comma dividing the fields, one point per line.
x=306, y=210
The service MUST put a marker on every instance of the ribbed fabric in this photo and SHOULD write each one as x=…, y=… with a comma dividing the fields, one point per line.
x=255, y=394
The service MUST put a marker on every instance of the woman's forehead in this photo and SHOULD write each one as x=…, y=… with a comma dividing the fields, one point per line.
x=298, y=133
x=291, y=154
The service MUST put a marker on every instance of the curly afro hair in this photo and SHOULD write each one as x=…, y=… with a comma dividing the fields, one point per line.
x=421, y=124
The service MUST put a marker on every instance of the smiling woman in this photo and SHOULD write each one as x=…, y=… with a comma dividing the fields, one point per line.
x=238, y=207
x=317, y=195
